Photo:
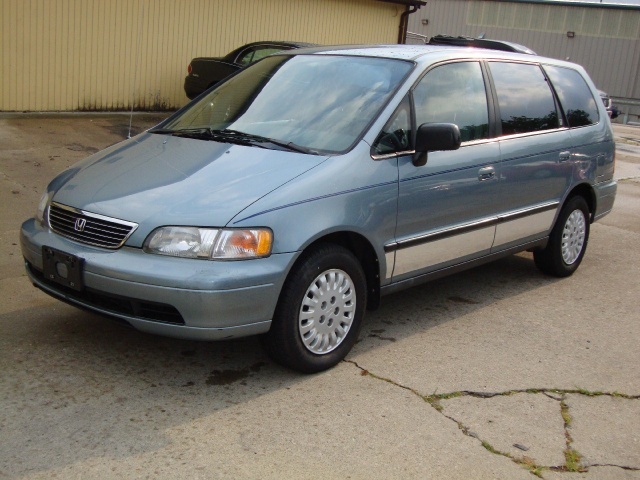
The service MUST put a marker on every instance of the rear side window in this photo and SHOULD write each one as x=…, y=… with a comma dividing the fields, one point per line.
x=526, y=102
x=575, y=96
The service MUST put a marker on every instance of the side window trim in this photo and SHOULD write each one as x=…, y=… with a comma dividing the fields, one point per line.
x=414, y=124
x=244, y=53
x=495, y=126
x=556, y=98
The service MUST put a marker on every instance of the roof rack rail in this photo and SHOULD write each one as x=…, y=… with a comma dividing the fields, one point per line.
x=479, y=43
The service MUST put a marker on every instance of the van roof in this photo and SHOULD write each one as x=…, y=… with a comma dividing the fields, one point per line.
x=404, y=52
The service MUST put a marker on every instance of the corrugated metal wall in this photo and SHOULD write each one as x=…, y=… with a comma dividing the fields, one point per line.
x=606, y=42
x=106, y=54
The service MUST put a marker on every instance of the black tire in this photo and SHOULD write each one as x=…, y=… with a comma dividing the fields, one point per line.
x=284, y=341
x=570, y=235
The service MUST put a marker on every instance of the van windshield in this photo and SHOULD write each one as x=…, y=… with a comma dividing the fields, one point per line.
x=318, y=103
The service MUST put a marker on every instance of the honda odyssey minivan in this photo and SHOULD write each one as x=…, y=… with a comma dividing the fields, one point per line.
x=290, y=198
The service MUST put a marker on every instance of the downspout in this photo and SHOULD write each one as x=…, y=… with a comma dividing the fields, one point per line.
x=404, y=22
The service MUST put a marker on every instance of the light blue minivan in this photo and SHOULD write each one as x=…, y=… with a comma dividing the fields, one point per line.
x=291, y=197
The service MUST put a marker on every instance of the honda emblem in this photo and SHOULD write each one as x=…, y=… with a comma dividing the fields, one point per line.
x=80, y=224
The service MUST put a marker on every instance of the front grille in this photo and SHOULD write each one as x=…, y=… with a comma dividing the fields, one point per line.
x=89, y=228
x=113, y=304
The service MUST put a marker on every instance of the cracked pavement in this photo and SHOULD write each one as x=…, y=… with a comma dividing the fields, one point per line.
x=541, y=423
x=497, y=372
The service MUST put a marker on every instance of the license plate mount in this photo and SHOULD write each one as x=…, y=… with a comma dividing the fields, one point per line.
x=62, y=268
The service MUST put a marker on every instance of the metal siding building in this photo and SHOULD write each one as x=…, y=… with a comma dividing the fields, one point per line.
x=110, y=54
x=606, y=37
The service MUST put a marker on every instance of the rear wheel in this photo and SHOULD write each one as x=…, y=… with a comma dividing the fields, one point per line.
x=320, y=311
x=567, y=242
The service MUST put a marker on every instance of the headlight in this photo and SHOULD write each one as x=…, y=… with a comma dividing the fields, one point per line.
x=237, y=244
x=45, y=200
x=209, y=243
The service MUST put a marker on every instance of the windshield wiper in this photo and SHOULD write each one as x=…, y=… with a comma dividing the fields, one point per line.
x=234, y=136
x=199, y=132
x=261, y=139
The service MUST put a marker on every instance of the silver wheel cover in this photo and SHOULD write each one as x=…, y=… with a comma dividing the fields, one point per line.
x=327, y=311
x=573, y=236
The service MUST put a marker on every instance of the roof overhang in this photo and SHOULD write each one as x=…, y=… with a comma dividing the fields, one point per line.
x=576, y=3
x=406, y=3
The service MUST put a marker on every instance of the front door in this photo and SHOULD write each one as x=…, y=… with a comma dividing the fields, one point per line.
x=446, y=208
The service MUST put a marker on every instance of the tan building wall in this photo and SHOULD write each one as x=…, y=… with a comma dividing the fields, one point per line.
x=106, y=54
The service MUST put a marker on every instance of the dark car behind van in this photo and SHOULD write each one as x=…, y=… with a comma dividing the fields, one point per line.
x=205, y=72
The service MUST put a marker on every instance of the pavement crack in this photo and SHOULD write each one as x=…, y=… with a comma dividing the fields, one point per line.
x=552, y=393
x=525, y=462
x=552, y=396
x=573, y=458
x=365, y=372
x=623, y=467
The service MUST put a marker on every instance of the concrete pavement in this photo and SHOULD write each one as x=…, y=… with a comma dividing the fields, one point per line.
x=498, y=372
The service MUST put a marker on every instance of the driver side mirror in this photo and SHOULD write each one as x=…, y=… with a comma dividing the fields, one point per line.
x=432, y=137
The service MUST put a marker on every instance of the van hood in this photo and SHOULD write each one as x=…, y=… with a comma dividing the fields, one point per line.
x=156, y=180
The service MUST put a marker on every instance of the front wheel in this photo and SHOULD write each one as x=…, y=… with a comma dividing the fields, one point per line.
x=320, y=311
x=567, y=242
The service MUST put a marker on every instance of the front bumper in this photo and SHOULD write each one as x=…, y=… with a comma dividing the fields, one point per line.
x=184, y=298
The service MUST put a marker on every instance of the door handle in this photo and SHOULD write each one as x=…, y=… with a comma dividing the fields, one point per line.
x=486, y=173
x=564, y=156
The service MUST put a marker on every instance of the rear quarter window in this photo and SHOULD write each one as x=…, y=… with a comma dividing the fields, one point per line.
x=575, y=96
